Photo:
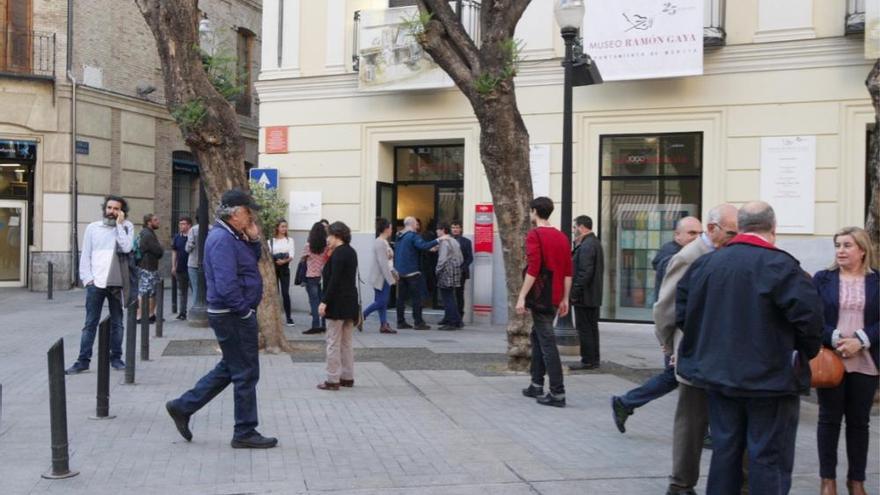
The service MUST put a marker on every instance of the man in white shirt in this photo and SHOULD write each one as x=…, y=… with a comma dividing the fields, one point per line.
x=100, y=270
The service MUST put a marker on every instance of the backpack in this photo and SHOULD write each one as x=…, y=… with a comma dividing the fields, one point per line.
x=136, y=249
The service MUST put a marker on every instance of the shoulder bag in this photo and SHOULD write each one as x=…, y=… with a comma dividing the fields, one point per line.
x=826, y=369
x=540, y=297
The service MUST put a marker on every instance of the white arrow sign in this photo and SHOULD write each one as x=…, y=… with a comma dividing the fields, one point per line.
x=264, y=180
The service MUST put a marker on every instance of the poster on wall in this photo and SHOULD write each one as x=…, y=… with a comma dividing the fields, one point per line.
x=788, y=181
x=539, y=163
x=644, y=39
x=872, y=29
x=390, y=58
x=304, y=209
x=276, y=139
x=484, y=228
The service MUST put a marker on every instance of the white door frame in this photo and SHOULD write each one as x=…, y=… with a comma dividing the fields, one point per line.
x=23, y=243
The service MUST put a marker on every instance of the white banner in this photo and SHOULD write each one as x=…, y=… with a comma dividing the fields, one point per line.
x=644, y=39
x=539, y=163
x=788, y=181
x=390, y=58
x=304, y=209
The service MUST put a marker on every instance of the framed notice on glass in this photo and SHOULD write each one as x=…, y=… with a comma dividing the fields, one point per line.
x=788, y=181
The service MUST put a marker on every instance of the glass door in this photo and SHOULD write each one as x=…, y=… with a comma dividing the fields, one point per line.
x=13, y=245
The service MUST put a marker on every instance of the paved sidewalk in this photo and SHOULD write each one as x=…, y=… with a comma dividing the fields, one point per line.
x=402, y=429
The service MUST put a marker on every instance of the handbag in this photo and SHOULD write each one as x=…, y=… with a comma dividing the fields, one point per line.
x=540, y=296
x=826, y=369
x=300, y=277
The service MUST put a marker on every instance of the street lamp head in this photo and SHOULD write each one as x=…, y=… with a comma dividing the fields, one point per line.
x=569, y=13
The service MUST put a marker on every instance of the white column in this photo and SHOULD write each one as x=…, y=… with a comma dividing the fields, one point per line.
x=782, y=20
x=290, y=37
x=269, y=35
x=335, y=55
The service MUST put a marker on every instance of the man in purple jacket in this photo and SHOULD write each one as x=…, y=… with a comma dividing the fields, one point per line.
x=235, y=288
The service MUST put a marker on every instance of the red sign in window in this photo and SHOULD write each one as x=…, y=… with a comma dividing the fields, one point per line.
x=484, y=228
x=276, y=139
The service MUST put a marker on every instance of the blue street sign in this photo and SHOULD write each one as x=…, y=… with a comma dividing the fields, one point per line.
x=266, y=177
x=82, y=147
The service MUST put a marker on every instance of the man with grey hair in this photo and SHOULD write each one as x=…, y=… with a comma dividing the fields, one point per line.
x=234, y=290
x=412, y=281
x=751, y=320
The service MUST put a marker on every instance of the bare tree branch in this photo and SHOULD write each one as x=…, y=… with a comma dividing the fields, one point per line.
x=459, y=39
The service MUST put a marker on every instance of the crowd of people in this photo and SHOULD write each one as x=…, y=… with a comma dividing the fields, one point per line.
x=737, y=319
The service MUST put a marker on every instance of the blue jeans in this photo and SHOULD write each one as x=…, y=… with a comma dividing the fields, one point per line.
x=657, y=386
x=450, y=306
x=411, y=288
x=545, y=354
x=240, y=365
x=380, y=303
x=94, y=303
x=194, y=282
x=313, y=289
x=766, y=428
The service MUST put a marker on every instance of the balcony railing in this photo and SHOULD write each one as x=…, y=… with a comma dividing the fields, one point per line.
x=855, y=16
x=468, y=12
x=27, y=53
x=713, y=23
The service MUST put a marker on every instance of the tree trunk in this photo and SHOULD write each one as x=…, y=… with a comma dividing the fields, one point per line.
x=215, y=138
x=872, y=222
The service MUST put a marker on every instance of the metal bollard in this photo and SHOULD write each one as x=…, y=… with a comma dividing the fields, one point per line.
x=160, y=307
x=145, y=328
x=58, y=414
x=50, y=283
x=130, y=338
x=173, y=293
x=102, y=406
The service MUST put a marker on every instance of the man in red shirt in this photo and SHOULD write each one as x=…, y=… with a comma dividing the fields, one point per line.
x=547, y=248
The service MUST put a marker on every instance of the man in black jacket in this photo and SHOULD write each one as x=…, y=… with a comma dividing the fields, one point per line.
x=586, y=291
x=751, y=320
x=686, y=230
x=467, y=251
x=150, y=252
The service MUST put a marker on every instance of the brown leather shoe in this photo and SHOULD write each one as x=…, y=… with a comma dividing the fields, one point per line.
x=386, y=328
x=829, y=487
x=856, y=487
x=328, y=386
x=346, y=383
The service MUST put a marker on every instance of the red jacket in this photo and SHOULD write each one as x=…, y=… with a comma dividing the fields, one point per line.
x=549, y=245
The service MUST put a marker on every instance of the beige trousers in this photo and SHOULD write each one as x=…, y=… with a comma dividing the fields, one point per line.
x=340, y=353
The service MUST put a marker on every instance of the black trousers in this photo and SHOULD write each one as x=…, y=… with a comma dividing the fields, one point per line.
x=459, y=298
x=545, y=354
x=413, y=288
x=852, y=400
x=182, y=290
x=283, y=274
x=586, y=321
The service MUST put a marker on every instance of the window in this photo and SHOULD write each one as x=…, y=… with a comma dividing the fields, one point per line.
x=244, y=69
x=184, y=186
x=15, y=36
x=647, y=182
x=430, y=163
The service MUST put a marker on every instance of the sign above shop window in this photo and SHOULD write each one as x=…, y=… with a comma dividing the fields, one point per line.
x=788, y=181
x=276, y=139
x=644, y=39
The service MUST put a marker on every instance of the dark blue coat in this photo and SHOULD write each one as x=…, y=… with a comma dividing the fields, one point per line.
x=827, y=282
x=406, y=252
x=661, y=259
x=467, y=251
x=231, y=271
x=751, y=319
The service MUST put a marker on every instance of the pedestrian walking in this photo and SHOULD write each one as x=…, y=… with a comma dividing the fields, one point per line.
x=586, y=291
x=449, y=263
x=192, y=262
x=751, y=320
x=150, y=251
x=179, y=260
x=382, y=276
x=339, y=305
x=105, y=244
x=549, y=273
x=315, y=255
x=467, y=252
x=412, y=281
x=850, y=294
x=234, y=290
x=282, y=248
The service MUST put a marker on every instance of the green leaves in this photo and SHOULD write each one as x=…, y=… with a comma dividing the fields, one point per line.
x=511, y=52
x=273, y=208
x=189, y=114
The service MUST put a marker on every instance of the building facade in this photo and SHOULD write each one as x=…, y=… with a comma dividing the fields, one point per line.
x=73, y=133
x=645, y=151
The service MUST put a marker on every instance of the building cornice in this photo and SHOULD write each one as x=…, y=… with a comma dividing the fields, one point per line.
x=763, y=57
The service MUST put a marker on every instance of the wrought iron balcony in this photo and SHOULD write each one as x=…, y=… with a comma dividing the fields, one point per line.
x=855, y=16
x=27, y=53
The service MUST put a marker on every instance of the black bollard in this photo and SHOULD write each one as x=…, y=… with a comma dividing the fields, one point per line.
x=173, y=293
x=102, y=407
x=58, y=414
x=50, y=282
x=160, y=306
x=145, y=328
x=130, y=338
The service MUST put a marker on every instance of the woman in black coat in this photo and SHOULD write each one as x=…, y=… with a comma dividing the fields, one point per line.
x=339, y=305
